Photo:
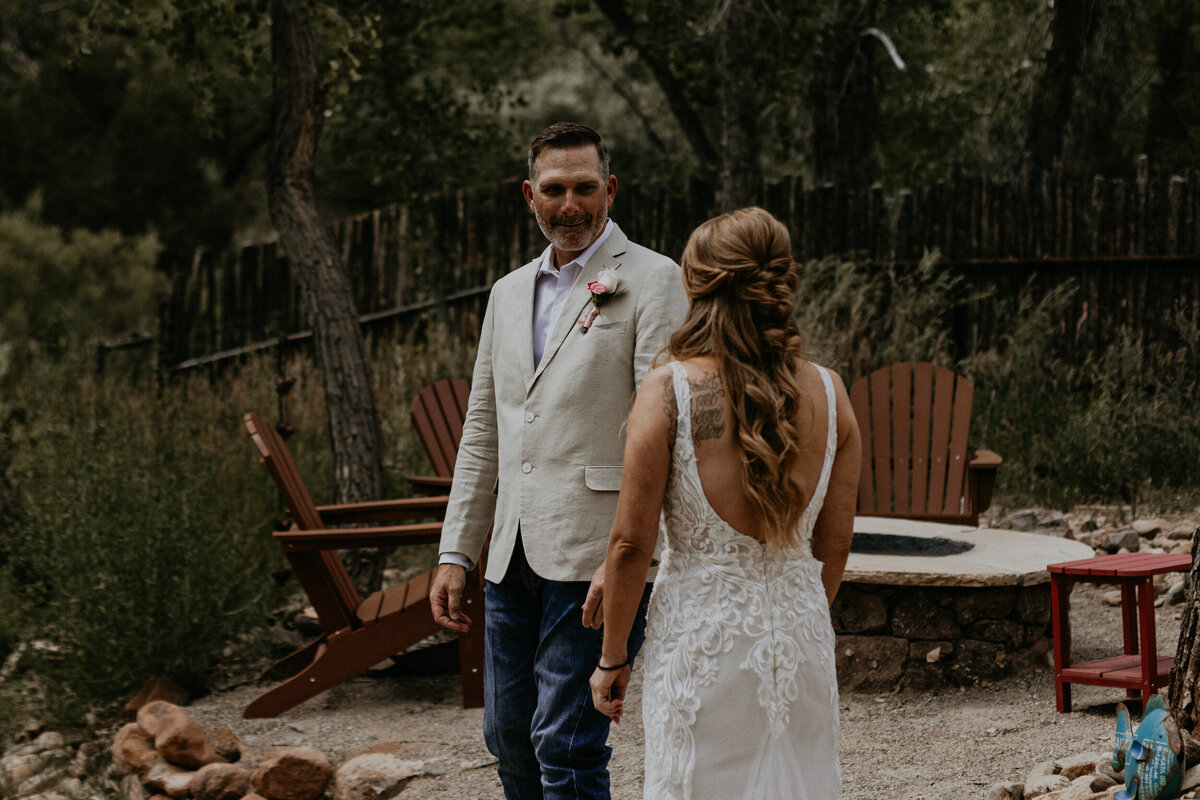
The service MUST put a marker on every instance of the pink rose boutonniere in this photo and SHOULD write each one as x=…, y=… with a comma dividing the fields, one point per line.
x=606, y=286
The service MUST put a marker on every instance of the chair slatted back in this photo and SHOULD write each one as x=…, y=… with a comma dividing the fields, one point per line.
x=438, y=413
x=916, y=421
x=321, y=573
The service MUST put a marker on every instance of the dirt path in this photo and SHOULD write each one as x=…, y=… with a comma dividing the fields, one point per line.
x=933, y=746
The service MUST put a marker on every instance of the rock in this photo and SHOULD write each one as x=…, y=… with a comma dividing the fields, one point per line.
x=1121, y=538
x=50, y=740
x=159, y=688
x=284, y=640
x=1149, y=527
x=1191, y=748
x=1075, y=791
x=1033, y=604
x=1044, y=785
x=1182, y=532
x=1024, y=520
x=1041, y=770
x=298, y=773
x=1176, y=594
x=1002, y=631
x=150, y=715
x=916, y=616
x=870, y=663
x=133, y=750
x=170, y=779
x=181, y=740
x=220, y=782
x=73, y=788
x=1191, y=778
x=923, y=676
x=371, y=775
x=1005, y=790
x=226, y=744
x=1078, y=765
x=1112, y=598
x=1101, y=781
x=20, y=773
x=132, y=789
x=858, y=611
x=983, y=603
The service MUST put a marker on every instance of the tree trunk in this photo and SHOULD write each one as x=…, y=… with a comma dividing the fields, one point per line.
x=1054, y=94
x=1184, y=691
x=741, y=173
x=354, y=431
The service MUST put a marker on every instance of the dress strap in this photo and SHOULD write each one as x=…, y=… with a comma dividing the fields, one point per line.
x=683, y=406
x=818, y=496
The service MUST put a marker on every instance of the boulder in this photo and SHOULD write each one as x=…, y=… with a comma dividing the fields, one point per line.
x=372, y=775
x=50, y=740
x=1005, y=790
x=1025, y=520
x=1044, y=785
x=226, y=744
x=1149, y=527
x=20, y=773
x=298, y=773
x=169, y=779
x=1082, y=764
x=133, y=750
x=182, y=740
x=156, y=689
x=917, y=616
x=1126, y=538
x=149, y=716
x=220, y=782
x=131, y=788
x=988, y=602
x=858, y=611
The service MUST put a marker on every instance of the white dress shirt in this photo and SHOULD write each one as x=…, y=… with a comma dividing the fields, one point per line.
x=552, y=286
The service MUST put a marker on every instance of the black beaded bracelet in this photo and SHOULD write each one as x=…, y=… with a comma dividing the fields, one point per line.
x=622, y=665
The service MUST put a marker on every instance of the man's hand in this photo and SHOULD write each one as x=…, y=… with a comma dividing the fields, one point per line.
x=593, y=605
x=445, y=597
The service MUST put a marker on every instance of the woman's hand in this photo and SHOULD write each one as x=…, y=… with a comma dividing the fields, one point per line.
x=608, y=691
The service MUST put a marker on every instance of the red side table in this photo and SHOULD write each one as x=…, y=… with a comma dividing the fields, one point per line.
x=1141, y=668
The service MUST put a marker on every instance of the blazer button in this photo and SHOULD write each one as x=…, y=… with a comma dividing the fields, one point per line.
x=529, y=416
x=527, y=467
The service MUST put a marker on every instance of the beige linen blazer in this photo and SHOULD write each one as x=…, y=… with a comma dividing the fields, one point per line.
x=542, y=446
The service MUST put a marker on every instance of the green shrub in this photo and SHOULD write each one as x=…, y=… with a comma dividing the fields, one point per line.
x=146, y=542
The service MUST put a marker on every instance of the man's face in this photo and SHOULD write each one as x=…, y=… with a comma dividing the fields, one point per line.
x=570, y=199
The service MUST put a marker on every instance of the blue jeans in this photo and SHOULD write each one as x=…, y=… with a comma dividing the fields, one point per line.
x=539, y=720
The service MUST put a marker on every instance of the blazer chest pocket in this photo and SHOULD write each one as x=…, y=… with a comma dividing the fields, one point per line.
x=602, y=479
x=608, y=326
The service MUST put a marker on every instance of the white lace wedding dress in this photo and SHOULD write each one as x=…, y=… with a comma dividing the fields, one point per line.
x=739, y=689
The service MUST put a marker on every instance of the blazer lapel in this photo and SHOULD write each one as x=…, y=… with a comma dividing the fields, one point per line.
x=523, y=310
x=607, y=257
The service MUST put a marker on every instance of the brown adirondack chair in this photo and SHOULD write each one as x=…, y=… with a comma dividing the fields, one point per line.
x=915, y=421
x=358, y=632
x=438, y=413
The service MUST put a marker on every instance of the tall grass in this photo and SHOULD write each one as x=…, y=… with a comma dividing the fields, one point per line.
x=1118, y=426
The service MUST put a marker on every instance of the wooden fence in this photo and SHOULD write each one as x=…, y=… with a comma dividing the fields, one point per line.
x=1131, y=245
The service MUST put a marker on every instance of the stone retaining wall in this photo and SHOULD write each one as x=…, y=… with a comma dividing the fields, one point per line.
x=924, y=637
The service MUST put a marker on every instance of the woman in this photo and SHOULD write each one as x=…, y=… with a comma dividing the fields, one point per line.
x=750, y=455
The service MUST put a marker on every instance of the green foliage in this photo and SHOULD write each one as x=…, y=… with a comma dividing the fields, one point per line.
x=63, y=289
x=146, y=544
x=1120, y=426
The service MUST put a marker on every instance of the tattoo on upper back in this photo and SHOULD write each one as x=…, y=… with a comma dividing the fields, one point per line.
x=708, y=417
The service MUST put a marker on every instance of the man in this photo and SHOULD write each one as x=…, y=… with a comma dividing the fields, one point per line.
x=540, y=458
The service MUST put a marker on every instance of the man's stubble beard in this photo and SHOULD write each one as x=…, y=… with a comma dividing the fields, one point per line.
x=571, y=241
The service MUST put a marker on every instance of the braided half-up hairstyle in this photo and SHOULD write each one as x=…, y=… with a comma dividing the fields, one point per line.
x=739, y=275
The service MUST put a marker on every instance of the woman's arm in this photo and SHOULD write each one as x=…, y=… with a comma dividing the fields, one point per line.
x=835, y=524
x=635, y=531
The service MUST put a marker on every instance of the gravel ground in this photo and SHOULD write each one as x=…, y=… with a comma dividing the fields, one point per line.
x=922, y=746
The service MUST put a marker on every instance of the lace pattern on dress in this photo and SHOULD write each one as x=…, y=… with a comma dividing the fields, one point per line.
x=715, y=587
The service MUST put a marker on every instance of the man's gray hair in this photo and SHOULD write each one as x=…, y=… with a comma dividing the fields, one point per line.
x=563, y=135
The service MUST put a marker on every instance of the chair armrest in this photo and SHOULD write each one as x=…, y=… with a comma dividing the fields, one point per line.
x=985, y=459
x=384, y=510
x=294, y=541
x=981, y=481
x=430, y=484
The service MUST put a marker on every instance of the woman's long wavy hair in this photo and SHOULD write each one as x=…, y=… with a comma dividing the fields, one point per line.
x=739, y=275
